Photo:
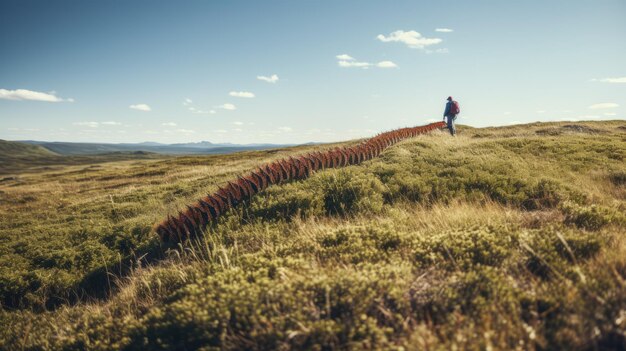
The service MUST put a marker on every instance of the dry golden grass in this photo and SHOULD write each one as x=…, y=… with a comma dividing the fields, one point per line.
x=501, y=238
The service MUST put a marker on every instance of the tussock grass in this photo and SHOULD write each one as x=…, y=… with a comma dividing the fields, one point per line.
x=502, y=238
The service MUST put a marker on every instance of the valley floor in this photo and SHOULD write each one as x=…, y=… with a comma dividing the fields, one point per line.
x=500, y=238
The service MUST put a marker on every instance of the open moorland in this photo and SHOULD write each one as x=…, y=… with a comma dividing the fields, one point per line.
x=500, y=238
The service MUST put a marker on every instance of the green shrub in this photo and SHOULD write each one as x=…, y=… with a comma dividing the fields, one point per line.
x=349, y=191
x=361, y=244
x=544, y=194
x=551, y=251
x=287, y=201
x=591, y=217
x=465, y=248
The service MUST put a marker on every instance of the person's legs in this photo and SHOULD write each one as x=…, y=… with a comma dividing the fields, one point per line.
x=453, y=127
x=450, y=124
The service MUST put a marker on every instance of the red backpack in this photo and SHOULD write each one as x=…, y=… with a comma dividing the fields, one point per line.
x=454, y=108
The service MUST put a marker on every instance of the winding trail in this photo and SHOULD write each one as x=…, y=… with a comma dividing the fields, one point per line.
x=191, y=222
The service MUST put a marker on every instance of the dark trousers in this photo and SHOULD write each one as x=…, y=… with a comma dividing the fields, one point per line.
x=451, y=126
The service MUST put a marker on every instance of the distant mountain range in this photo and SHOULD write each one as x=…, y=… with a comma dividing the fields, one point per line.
x=199, y=148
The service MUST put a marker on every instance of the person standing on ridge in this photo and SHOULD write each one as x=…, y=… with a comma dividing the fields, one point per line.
x=452, y=110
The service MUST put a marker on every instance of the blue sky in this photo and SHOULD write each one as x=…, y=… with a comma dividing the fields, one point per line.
x=132, y=71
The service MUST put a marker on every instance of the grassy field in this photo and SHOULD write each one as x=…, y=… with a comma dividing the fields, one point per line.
x=500, y=238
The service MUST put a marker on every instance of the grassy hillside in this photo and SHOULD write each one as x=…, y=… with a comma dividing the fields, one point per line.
x=502, y=238
x=17, y=149
x=18, y=157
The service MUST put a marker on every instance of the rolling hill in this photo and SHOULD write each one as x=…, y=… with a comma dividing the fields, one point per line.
x=200, y=148
x=500, y=238
x=14, y=149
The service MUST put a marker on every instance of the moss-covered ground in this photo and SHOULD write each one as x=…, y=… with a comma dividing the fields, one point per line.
x=500, y=238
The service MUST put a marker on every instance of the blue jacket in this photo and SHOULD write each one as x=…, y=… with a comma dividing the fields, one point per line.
x=447, y=113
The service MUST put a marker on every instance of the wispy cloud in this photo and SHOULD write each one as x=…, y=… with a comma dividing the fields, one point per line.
x=344, y=57
x=200, y=112
x=411, y=38
x=352, y=63
x=603, y=105
x=238, y=123
x=227, y=106
x=386, y=64
x=185, y=131
x=169, y=124
x=285, y=129
x=111, y=123
x=611, y=80
x=189, y=104
x=140, y=107
x=88, y=124
x=444, y=30
x=241, y=94
x=271, y=79
x=347, y=61
x=24, y=94
x=610, y=114
x=437, y=51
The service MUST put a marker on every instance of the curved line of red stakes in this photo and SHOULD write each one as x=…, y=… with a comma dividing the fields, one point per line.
x=191, y=222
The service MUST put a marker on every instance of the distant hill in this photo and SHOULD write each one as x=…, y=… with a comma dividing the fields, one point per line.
x=15, y=149
x=17, y=157
x=200, y=148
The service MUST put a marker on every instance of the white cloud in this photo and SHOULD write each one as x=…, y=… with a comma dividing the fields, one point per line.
x=444, y=30
x=24, y=94
x=241, y=94
x=111, y=123
x=221, y=131
x=227, y=107
x=187, y=102
x=541, y=111
x=386, y=64
x=186, y=131
x=272, y=79
x=353, y=63
x=348, y=64
x=610, y=114
x=438, y=51
x=587, y=117
x=285, y=129
x=169, y=124
x=87, y=124
x=212, y=112
x=603, y=105
x=237, y=123
x=611, y=80
x=345, y=57
x=140, y=107
x=411, y=38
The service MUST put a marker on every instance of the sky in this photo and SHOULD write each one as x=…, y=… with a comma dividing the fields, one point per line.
x=301, y=71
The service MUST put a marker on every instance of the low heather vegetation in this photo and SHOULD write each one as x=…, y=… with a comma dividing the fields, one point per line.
x=502, y=238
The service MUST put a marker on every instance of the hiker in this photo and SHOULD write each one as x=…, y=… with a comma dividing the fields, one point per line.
x=452, y=110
